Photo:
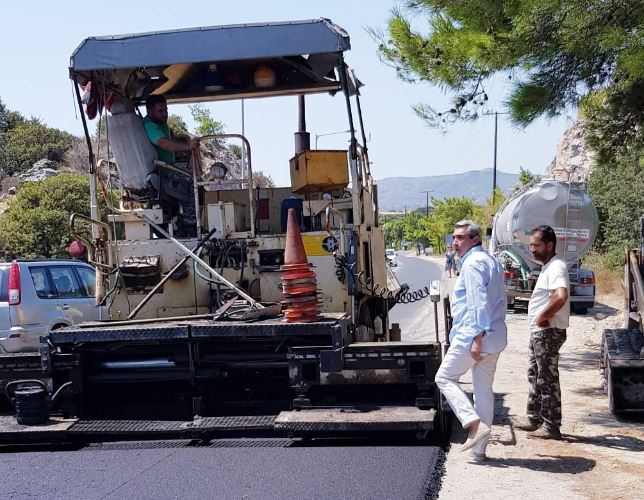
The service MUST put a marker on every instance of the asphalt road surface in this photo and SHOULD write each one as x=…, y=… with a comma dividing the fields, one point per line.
x=416, y=320
x=226, y=469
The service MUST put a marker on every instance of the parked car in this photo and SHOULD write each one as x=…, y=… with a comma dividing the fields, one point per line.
x=582, y=290
x=37, y=296
x=390, y=255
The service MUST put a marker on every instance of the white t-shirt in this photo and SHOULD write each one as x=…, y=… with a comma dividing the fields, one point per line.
x=553, y=275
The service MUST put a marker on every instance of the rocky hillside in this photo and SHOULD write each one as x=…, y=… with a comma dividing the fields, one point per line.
x=40, y=171
x=394, y=193
x=573, y=160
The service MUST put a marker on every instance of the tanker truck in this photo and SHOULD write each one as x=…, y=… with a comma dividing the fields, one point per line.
x=567, y=208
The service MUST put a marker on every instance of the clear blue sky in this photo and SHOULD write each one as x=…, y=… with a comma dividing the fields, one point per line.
x=38, y=37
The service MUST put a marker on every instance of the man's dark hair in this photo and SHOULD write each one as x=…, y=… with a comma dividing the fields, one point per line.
x=547, y=235
x=153, y=100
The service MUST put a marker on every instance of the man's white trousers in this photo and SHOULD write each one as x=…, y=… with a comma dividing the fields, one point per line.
x=456, y=362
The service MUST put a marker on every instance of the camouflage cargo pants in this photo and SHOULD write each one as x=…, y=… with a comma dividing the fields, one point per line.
x=544, y=397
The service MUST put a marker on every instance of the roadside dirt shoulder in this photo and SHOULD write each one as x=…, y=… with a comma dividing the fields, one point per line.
x=600, y=457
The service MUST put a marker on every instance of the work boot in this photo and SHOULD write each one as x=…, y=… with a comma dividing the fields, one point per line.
x=545, y=433
x=525, y=424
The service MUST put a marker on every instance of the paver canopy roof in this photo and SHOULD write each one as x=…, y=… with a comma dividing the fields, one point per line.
x=301, y=53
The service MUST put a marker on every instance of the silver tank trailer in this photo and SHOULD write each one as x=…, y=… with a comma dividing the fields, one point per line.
x=544, y=203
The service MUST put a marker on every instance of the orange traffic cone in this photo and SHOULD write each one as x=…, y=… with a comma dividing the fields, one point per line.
x=299, y=283
x=294, y=250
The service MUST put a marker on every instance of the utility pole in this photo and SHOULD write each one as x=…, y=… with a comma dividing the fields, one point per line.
x=427, y=202
x=496, y=134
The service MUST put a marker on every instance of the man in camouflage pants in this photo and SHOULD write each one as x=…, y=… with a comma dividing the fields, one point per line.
x=548, y=313
x=544, y=396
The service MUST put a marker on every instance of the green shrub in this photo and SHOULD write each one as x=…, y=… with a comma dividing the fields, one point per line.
x=36, y=223
x=613, y=259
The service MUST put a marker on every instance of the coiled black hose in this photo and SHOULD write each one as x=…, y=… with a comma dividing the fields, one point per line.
x=402, y=296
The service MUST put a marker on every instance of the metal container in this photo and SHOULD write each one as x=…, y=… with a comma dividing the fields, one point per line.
x=32, y=407
x=319, y=170
x=546, y=203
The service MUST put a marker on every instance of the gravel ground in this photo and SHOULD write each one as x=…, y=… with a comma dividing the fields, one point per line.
x=600, y=457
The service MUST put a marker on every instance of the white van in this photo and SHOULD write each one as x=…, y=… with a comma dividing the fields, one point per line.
x=390, y=257
x=37, y=296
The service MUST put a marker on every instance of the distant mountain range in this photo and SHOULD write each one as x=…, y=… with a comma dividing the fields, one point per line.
x=394, y=193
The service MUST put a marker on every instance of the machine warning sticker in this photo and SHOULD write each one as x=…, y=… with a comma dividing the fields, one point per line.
x=319, y=245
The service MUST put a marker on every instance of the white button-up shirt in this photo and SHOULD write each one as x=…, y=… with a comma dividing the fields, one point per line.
x=479, y=303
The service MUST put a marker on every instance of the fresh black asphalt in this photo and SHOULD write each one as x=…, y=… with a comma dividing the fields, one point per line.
x=233, y=469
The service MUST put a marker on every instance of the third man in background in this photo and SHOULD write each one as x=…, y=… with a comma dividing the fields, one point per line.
x=548, y=314
x=450, y=262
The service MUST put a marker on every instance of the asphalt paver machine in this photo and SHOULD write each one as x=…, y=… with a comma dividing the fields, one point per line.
x=190, y=261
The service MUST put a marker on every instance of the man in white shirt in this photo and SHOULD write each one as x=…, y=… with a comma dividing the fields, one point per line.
x=548, y=313
x=477, y=337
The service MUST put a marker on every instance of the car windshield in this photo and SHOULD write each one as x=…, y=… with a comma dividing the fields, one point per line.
x=390, y=253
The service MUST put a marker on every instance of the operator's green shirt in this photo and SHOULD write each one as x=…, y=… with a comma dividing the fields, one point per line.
x=156, y=131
